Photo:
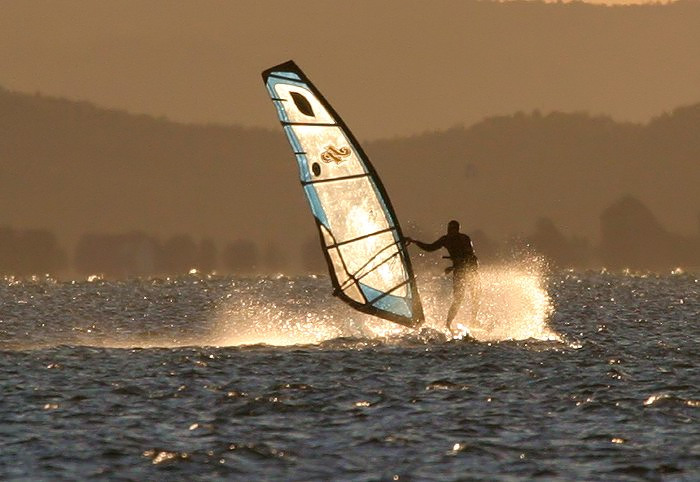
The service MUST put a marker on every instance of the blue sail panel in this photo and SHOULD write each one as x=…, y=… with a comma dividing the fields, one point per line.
x=386, y=301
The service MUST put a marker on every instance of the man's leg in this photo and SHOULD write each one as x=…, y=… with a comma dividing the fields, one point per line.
x=475, y=292
x=458, y=287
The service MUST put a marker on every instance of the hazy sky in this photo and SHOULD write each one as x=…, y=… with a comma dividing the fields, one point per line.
x=390, y=68
x=394, y=67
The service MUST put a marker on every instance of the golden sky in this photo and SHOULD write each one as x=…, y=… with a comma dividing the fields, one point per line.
x=396, y=67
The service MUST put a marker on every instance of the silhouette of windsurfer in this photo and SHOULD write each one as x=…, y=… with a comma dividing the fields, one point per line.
x=464, y=267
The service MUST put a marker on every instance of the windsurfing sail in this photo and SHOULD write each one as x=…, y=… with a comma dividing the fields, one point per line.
x=360, y=235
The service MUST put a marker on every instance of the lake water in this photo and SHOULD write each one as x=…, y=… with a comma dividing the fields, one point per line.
x=569, y=376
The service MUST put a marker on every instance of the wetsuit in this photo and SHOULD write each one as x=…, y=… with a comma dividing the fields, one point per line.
x=459, y=245
x=464, y=266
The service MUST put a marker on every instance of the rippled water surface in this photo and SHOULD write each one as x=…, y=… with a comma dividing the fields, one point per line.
x=571, y=376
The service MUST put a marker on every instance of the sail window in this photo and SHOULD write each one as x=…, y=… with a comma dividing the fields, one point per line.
x=302, y=104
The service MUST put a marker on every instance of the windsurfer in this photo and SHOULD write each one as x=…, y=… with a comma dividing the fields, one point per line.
x=463, y=269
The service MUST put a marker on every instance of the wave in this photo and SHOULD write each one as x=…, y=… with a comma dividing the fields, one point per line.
x=274, y=311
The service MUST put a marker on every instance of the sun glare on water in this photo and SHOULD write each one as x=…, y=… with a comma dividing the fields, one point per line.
x=252, y=321
x=514, y=305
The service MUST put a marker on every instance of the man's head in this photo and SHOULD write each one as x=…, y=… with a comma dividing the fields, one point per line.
x=453, y=227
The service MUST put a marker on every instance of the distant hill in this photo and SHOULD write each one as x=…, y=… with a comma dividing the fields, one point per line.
x=503, y=172
x=74, y=168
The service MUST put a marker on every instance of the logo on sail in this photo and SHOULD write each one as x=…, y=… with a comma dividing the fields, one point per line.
x=333, y=154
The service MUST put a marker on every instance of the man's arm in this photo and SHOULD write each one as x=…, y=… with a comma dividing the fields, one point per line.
x=428, y=246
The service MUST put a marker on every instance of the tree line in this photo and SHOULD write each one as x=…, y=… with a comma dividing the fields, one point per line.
x=118, y=256
x=631, y=238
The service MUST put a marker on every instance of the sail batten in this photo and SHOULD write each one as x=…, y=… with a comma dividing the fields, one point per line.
x=359, y=233
x=337, y=179
x=313, y=124
x=360, y=238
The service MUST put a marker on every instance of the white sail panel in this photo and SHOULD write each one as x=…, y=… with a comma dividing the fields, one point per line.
x=352, y=208
x=360, y=226
x=330, y=150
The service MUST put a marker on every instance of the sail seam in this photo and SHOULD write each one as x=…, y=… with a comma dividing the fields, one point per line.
x=343, y=178
x=389, y=229
x=314, y=124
